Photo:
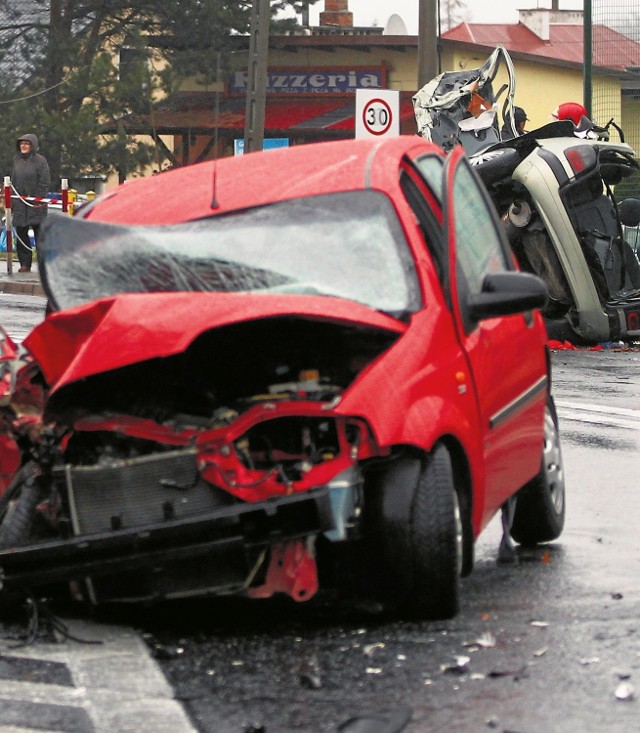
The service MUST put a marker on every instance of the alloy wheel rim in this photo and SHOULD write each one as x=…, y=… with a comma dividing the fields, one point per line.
x=552, y=457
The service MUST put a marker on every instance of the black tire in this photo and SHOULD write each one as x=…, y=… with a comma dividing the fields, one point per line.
x=418, y=537
x=495, y=165
x=541, y=504
x=17, y=512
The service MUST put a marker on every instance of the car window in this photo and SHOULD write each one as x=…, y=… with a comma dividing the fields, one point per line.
x=428, y=222
x=430, y=166
x=480, y=244
x=347, y=245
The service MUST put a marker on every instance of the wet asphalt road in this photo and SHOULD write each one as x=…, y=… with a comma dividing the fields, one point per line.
x=20, y=313
x=540, y=646
x=543, y=645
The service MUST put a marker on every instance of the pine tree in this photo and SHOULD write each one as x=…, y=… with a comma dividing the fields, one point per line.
x=67, y=66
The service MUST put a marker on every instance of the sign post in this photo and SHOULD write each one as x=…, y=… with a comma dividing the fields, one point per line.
x=377, y=112
x=8, y=222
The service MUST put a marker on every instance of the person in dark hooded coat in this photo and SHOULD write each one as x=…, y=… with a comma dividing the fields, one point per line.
x=30, y=178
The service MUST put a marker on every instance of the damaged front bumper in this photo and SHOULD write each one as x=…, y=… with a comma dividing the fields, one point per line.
x=222, y=544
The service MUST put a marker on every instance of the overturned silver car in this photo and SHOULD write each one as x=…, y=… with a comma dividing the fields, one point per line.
x=554, y=189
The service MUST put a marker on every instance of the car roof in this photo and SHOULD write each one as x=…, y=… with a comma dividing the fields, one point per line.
x=233, y=183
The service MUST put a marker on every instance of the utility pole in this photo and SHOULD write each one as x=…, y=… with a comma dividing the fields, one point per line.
x=587, y=20
x=428, y=66
x=257, y=76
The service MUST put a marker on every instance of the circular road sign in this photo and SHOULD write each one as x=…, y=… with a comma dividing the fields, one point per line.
x=377, y=116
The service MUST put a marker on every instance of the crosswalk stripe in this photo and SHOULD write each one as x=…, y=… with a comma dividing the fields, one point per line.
x=111, y=686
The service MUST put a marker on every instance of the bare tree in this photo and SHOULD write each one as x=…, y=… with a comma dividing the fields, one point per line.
x=451, y=13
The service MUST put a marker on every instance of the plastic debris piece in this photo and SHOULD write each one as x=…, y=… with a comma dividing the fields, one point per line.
x=625, y=691
x=387, y=720
x=486, y=640
x=541, y=652
x=164, y=652
x=369, y=649
x=309, y=673
x=374, y=670
x=516, y=673
x=460, y=666
x=589, y=660
x=561, y=345
x=540, y=624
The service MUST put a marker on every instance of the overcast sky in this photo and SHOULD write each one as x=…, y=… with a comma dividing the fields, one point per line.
x=368, y=12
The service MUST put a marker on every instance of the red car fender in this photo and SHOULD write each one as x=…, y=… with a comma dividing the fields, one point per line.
x=446, y=422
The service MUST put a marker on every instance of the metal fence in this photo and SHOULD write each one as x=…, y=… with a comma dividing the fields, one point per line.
x=612, y=97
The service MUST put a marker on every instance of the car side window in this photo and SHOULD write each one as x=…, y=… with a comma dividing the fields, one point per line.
x=430, y=226
x=430, y=167
x=480, y=244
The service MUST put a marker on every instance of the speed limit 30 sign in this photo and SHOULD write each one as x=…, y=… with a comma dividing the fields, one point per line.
x=377, y=112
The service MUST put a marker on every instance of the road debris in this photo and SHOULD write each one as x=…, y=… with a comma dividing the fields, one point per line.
x=460, y=666
x=484, y=641
x=369, y=649
x=309, y=673
x=625, y=691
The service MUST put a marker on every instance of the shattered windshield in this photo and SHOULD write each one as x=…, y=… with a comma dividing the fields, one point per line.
x=347, y=245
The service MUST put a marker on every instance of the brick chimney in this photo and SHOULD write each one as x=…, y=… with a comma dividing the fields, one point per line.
x=336, y=12
x=539, y=20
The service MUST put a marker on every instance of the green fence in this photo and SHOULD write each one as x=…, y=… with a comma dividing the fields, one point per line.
x=615, y=88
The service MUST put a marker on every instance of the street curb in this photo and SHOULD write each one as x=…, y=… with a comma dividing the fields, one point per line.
x=22, y=288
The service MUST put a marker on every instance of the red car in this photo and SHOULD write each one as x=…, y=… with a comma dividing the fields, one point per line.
x=315, y=367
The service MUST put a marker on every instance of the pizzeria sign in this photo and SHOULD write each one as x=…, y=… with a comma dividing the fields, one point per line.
x=318, y=81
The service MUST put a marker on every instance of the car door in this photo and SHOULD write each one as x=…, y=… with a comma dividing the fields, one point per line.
x=506, y=356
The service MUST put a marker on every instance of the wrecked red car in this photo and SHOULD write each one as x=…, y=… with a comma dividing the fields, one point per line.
x=311, y=368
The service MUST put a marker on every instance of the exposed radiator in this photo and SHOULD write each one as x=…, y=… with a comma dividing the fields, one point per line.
x=138, y=491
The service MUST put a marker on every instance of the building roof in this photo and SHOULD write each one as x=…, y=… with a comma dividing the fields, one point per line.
x=612, y=50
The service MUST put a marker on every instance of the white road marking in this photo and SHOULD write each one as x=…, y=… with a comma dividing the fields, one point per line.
x=620, y=417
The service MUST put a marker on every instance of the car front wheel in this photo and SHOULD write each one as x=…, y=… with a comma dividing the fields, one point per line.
x=419, y=537
x=541, y=504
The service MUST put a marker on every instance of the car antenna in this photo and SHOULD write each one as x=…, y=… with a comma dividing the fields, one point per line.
x=214, y=201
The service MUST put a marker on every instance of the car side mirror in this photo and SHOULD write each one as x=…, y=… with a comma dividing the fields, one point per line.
x=629, y=212
x=507, y=293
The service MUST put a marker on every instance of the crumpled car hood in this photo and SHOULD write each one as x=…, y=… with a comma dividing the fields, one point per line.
x=126, y=329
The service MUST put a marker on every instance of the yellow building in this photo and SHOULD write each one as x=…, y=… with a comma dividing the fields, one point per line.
x=313, y=75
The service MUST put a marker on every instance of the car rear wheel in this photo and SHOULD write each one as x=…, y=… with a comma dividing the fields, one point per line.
x=541, y=504
x=419, y=537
